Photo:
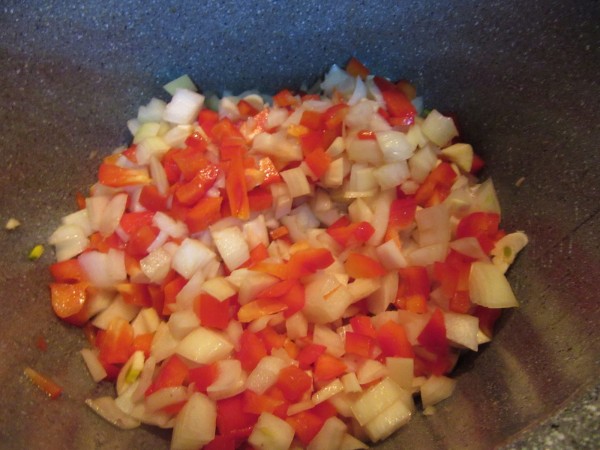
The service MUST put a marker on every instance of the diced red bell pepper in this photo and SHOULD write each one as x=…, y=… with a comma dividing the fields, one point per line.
x=254, y=403
x=460, y=302
x=203, y=376
x=221, y=442
x=133, y=221
x=206, y=212
x=357, y=68
x=143, y=342
x=481, y=225
x=68, y=298
x=189, y=161
x=294, y=383
x=393, y=341
x=140, y=240
x=115, y=176
x=477, y=164
x=173, y=372
x=279, y=232
x=350, y=234
x=433, y=337
x=447, y=277
x=192, y=191
x=487, y=318
x=260, y=307
x=328, y=367
x=318, y=162
x=44, y=383
x=260, y=199
x=306, y=425
x=271, y=338
x=246, y=109
x=309, y=354
x=359, y=344
x=170, y=165
x=334, y=116
x=207, y=120
x=308, y=261
x=285, y=98
x=311, y=119
x=224, y=129
x=436, y=186
x=363, y=325
x=294, y=298
x=157, y=297
x=399, y=107
x=135, y=294
x=171, y=288
x=402, y=213
x=358, y=265
x=252, y=350
x=151, y=199
x=196, y=141
x=211, y=312
x=235, y=185
x=117, y=342
x=413, y=281
x=68, y=271
x=231, y=418
x=311, y=141
x=270, y=172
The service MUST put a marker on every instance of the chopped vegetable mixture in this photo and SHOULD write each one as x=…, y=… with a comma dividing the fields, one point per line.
x=286, y=271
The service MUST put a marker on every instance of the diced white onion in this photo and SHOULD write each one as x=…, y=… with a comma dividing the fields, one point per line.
x=183, y=107
x=439, y=129
x=489, y=287
x=232, y=246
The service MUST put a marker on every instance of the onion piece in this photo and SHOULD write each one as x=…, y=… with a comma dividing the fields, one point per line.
x=189, y=433
x=232, y=246
x=326, y=392
x=93, y=364
x=271, y=432
x=166, y=396
x=330, y=435
x=265, y=374
x=69, y=240
x=183, y=82
x=436, y=389
x=394, y=145
x=106, y=408
x=156, y=264
x=489, y=287
x=439, y=129
x=507, y=248
x=230, y=380
x=183, y=107
x=204, y=346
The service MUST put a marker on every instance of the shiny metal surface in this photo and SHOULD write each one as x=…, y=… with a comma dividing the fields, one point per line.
x=521, y=76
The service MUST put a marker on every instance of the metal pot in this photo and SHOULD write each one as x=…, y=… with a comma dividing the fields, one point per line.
x=521, y=76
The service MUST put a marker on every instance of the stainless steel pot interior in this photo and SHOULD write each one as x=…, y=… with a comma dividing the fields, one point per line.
x=521, y=76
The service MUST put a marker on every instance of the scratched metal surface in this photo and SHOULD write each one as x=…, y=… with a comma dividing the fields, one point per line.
x=522, y=77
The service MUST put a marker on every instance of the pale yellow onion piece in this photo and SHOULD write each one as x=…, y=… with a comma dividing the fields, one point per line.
x=489, y=287
x=271, y=432
x=189, y=433
x=106, y=408
x=330, y=435
x=436, y=389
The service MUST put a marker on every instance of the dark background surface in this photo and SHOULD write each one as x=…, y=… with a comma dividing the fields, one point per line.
x=522, y=77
